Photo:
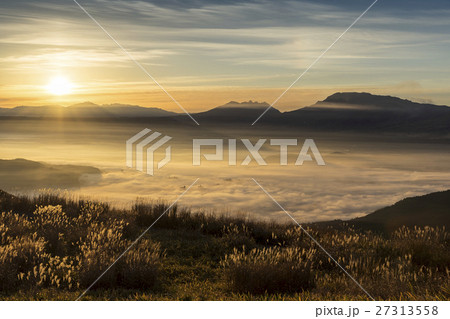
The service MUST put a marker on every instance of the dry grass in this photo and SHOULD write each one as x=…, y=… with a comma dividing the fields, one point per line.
x=270, y=270
x=60, y=247
x=50, y=249
x=411, y=262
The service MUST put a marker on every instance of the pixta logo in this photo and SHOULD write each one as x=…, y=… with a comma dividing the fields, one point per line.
x=308, y=147
x=142, y=141
x=145, y=143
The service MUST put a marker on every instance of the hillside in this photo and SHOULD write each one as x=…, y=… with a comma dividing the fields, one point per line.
x=365, y=112
x=235, y=112
x=53, y=248
x=21, y=175
x=427, y=210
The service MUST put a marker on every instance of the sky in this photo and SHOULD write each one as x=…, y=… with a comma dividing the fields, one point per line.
x=206, y=53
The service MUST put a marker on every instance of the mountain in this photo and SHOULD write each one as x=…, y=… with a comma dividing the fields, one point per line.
x=245, y=105
x=33, y=111
x=341, y=112
x=233, y=112
x=21, y=174
x=427, y=210
x=367, y=112
x=87, y=110
x=119, y=110
x=350, y=112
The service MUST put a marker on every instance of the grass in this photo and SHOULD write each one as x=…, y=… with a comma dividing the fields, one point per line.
x=53, y=248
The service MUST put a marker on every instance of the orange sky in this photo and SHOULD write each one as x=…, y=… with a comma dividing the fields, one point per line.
x=215, y=52
x=199, y=98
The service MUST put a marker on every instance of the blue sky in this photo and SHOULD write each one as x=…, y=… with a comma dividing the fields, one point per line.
x=209, y=52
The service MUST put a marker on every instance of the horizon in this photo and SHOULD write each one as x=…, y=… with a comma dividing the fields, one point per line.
x=212, y=107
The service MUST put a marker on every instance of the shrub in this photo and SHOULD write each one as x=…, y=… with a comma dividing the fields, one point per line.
x=13, y=225
x=52, y=224
x=98, y=250
x=51, y=272
x=428, y=246
x=18, y=258
x=147, y=213
x=140, y=266
x=70, y=253
x=269, y=270
x=90, y=213
x=238, y=236
x=104, y=243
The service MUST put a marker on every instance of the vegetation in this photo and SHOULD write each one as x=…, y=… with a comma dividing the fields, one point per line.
x=53, y=247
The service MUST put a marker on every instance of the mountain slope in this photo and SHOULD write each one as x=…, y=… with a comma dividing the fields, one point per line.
x=87, y=110
x=367, y=112
x=119, y=110
x=427, y=210
x=233, y=112
x=21, y=174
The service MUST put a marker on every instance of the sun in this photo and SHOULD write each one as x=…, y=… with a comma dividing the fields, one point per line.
x=60, y=86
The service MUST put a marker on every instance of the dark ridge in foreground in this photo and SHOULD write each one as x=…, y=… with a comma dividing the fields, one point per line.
x=427, y=210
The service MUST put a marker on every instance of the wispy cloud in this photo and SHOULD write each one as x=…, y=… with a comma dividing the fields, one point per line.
x=259, y=43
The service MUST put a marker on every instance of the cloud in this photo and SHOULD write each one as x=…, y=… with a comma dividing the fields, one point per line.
x=56, y=58
x=351, y=185
x=226, y=43
x=308, y=198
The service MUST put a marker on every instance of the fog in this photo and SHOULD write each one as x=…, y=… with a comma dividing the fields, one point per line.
x=362, y=172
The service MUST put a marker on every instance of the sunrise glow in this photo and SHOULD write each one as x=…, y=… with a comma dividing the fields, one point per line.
x=59, y=86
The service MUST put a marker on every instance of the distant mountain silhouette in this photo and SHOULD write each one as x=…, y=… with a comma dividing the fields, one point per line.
x=367, y=112
x=21, y=174
x=254, y=105
x=33, y=111
x=233, y=112
x=427, y=210
x=124, y=110
x=353, y=112
x=87, y=110
x=380, y=101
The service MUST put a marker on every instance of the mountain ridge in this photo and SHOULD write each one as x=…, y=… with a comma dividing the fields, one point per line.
x=365, y=98
x=341, y=111
x=21, y=174
x=431, y=209
x=86, y=110
x=353, y=98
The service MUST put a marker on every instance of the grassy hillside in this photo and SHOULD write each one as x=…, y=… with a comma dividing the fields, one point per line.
x=53, y=248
